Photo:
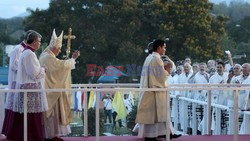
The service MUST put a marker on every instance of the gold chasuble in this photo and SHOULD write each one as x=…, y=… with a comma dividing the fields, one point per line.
x=58, y=75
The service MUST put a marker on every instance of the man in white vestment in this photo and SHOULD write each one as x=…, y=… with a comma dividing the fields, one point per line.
x=183, y=79
x=151, y=113
x=244, y=99
x=30, y=75
x=13, y=62
x=168, y=66
x=58, y=75
x=220, y=77
x=233, y=78
x=218, y=96
x=211, y=67
x=233, y=73
x=201, y=77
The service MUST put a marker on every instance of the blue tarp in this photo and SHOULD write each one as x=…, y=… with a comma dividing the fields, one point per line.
x=4, y=75
x=111, y=75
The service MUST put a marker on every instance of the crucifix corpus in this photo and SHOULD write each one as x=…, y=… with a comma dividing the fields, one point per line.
x=69, y=37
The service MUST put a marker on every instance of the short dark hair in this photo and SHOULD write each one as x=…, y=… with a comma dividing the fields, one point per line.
x=32, y=36
x=221, y=63
x=158, y=43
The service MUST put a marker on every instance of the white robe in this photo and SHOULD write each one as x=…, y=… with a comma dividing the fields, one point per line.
x=200, y=79
x=244, y=102
x=59, y=116
x=200, y=94
x=30, y=76
x=218, y=96
x=13, y=63
x=158, y=128
x=1, y=111
x=183, y=79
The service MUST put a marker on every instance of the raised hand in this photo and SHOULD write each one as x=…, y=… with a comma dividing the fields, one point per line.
x=76, y=54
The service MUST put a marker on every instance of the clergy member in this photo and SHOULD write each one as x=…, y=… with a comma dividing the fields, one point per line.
x=30, y=76
x=151, y=113
x=218, y=96
x=13, y=62
x=58, y=75
x=244, y=99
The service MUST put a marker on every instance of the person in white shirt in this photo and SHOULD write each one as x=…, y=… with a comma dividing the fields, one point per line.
x=108, y=108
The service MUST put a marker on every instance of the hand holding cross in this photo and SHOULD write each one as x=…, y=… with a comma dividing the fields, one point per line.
x=69, y=37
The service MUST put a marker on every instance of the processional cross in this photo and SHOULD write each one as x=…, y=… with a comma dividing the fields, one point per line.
x=69, y=37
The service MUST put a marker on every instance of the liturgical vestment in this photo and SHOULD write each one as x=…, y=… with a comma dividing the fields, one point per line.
x=58, y=76
x=151, y=114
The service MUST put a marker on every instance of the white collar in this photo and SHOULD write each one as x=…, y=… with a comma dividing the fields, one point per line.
x=156, y=55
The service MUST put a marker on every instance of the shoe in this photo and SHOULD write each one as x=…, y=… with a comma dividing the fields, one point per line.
x=173, y=136
x=54, y=139
x=150, y=139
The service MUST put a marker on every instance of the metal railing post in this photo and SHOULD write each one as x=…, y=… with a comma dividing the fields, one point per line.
x=85, y=114
x=97, y=114
x=209, y=115
x=168, y=122
x=25, y=116
x=236, y=115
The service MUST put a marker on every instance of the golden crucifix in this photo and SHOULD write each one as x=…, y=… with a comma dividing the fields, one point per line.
x=69, y=37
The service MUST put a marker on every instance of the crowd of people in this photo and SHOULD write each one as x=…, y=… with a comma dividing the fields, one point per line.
x=212, y=72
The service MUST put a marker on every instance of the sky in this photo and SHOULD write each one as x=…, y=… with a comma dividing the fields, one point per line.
x=12, y=8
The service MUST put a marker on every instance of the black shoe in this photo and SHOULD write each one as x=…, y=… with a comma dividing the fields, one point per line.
x=173, y=136
x=150, y=139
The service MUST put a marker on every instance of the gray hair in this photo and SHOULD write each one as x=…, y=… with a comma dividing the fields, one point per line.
x=32, y=36
x=238, y=65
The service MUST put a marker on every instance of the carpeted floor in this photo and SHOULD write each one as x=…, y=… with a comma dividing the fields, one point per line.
x=134, y=138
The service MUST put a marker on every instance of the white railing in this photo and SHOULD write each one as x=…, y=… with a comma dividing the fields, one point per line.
x=134, y=87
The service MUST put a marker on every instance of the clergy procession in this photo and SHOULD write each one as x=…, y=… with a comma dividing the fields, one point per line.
x=49, y=113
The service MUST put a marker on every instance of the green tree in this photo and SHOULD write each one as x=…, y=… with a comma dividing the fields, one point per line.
x=116, y=32
x=100, y=29
x=193, y=31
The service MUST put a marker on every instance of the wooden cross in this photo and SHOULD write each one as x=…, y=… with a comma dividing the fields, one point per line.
x=69, y=37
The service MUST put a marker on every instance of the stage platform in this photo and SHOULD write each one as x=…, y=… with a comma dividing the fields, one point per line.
x=134, y=138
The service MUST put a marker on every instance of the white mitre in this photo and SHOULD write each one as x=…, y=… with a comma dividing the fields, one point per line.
x=55, y=41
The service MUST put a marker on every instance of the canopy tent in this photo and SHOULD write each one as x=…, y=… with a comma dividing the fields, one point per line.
x=111, y=75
